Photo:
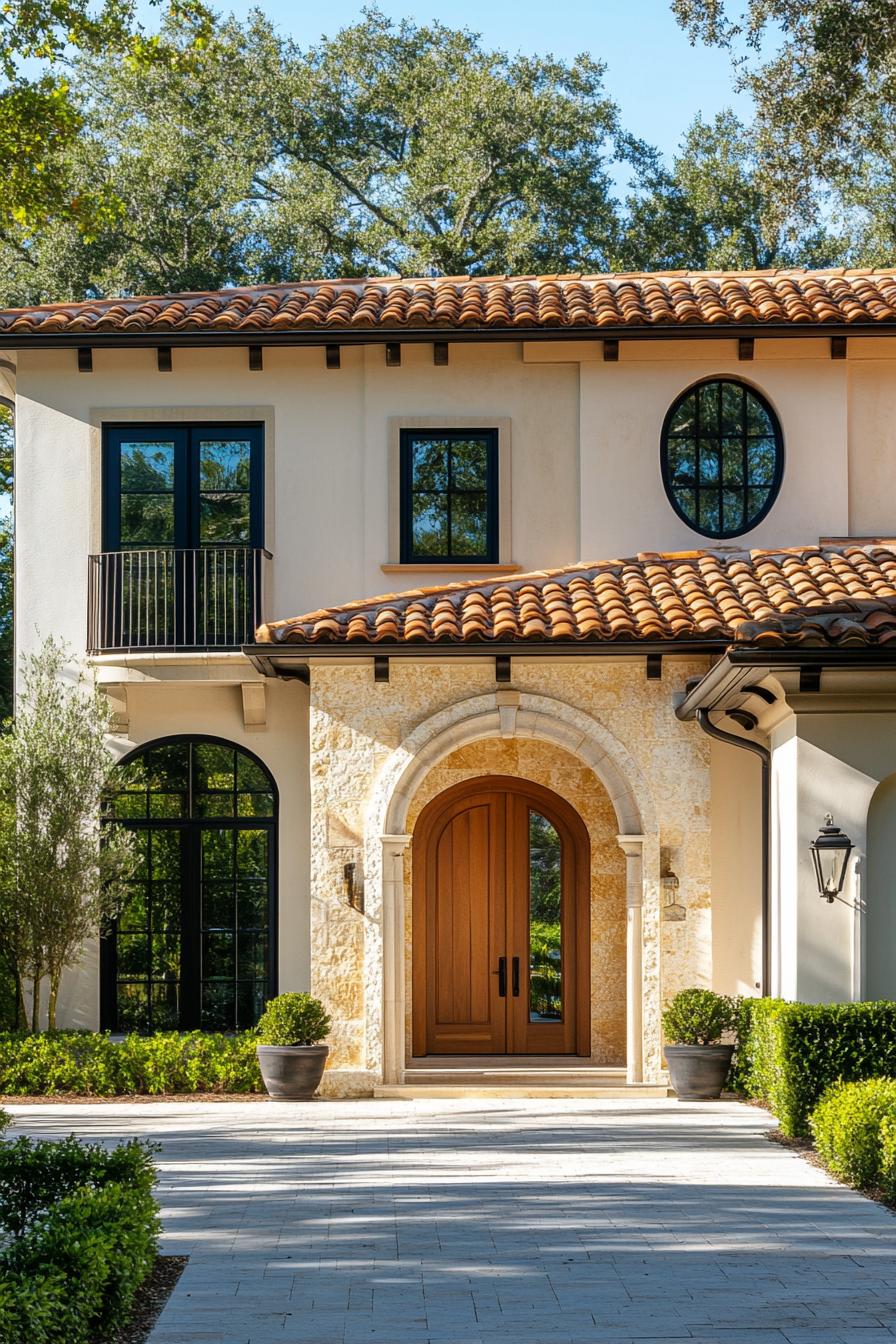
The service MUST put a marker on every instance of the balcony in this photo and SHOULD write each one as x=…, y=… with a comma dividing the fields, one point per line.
x=176, y=600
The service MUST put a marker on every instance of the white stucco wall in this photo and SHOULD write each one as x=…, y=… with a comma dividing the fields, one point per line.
x=584, y=460
x=736, y=827
x=622, y=411
x=826, y=760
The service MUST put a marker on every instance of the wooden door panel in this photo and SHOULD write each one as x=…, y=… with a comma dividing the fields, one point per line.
x=472, y=894
x=464, y=929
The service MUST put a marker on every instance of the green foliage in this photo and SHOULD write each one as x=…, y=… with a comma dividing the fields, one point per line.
x=293, y=1019
x=92, y=1064
x=82, y=1228
x=390, y=147
x=698, y=1017
x=822, y=75
x=40, y=118
x=791, y=1053
x=59, y=875
x=35, y=1174
x=887, y=1174
x=846, y=1128
x=5, y=1120
x=718, y=209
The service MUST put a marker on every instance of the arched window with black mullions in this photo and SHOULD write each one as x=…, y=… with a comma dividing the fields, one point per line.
x=193, y=942
x=722, y=457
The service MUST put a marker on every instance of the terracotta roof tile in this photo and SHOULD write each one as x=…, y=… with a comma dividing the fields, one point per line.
x=510, y=303
x=841, y=596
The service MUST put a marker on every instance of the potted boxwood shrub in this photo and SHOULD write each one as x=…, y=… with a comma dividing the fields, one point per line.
x=694, y=1023
x=290, y=1054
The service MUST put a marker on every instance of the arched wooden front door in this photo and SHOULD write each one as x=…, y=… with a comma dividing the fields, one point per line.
x=500, y=922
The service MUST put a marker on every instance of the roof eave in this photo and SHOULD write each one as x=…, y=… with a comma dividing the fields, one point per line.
x=268, y=657
x=420, y=335
x=742, y=661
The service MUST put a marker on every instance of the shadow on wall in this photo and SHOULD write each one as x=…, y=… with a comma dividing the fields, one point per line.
x=880, y=897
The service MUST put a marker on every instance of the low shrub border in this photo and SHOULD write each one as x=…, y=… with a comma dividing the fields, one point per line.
x=93, y=1064
x=789, y=1054
x=850, y=1139
x=79, y=1228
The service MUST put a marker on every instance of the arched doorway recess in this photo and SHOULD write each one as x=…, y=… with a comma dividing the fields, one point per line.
x=501, y=894
x=193, y=944
x=510, y=713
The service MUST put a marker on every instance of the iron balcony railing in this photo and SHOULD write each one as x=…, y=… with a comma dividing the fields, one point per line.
x=211, y=598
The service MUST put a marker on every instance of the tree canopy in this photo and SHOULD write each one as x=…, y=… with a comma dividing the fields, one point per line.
x=40, y=112
x=394, y=147
x=822, y=77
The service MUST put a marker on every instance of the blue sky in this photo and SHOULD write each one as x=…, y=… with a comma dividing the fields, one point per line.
x=658, y=80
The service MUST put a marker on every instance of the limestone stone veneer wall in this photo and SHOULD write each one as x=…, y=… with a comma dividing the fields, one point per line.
x=597, y=732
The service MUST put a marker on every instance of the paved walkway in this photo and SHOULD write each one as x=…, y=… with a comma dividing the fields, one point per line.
x=465, y=1222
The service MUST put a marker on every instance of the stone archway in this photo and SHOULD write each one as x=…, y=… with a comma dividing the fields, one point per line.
x=508, y=714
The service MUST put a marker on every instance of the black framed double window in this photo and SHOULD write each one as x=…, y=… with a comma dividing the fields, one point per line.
x=183, y=486
x=183, y=537
x=449, y=496
x=194, y=941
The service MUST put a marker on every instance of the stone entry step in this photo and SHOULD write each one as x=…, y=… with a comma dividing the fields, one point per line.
x=416, y=1091
x=514, y=1077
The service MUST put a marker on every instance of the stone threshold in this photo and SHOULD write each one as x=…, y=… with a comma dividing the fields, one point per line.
x=518, y=1089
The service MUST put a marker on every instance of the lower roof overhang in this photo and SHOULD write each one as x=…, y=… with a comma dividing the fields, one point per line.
x=320, y=336
x=740, y=666
x=295, y=660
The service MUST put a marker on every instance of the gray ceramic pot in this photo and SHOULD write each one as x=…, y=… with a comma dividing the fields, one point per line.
x=292, y=1072
x=698, y=1072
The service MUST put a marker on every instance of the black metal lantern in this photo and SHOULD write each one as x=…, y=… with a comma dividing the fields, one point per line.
x=830, y=854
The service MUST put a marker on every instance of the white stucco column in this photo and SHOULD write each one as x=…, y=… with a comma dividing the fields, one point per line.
x=393, y=848
x=817, y=945
x=632, y=847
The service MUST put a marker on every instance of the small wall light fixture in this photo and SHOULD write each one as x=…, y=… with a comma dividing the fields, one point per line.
x=672, y=908
x=353, y=887
x=830, y=854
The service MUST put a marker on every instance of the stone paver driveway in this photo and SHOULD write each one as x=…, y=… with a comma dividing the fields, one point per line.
x=532, y=1222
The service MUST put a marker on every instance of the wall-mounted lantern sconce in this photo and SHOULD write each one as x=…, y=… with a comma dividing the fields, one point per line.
x=830, y=854
x=672, y=908
x=353, y=887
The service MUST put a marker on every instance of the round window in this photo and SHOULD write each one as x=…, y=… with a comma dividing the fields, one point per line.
x=722, y=457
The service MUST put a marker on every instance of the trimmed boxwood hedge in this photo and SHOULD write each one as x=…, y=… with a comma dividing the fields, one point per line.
x=93, y=1064
x=78, y=1235
x=789, y=1054
x=847, y=1128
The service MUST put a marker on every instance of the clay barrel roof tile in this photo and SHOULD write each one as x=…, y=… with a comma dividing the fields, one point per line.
x=508, y=303
x=842, y=596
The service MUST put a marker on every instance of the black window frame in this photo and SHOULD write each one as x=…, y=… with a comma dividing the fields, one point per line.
x=191, y=927
x=407, y=439
x=185, y=435
x=722, y=534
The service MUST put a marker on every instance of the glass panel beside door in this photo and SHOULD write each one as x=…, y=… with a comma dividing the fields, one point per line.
x=545, y=921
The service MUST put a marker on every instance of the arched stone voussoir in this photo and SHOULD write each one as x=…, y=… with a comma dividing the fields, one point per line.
x=501, y=714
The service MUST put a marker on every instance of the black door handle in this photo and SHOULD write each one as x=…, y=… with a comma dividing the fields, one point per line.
x=515, y=974
x=502, y=977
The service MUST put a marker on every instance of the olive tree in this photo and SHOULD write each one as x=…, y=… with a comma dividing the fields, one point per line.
x=61, y=874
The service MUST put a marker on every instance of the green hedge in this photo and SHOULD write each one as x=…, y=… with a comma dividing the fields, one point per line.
x=92, y=1064
x=81, y=1232
x=789, y=1054
x=846, y=1126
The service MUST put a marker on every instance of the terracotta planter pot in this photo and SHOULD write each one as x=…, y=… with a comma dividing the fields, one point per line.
x=292, y=1072
x=698, y=1072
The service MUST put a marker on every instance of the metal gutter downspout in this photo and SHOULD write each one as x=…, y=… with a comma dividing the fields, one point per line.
x=706, y=723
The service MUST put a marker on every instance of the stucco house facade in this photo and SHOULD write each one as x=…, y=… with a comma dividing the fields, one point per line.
x=638, y=641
